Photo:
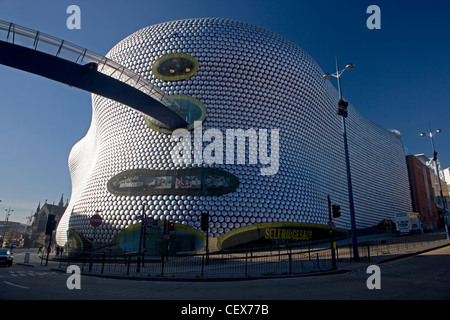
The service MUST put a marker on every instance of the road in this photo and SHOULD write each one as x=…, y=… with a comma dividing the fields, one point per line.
x=420, y=277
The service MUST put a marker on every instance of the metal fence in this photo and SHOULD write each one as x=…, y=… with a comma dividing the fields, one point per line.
x=273, y=262
x=243, y=264
x=385, y=246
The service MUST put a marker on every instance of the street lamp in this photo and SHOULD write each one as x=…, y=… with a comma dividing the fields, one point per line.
x=6, y=224
x=431, y=134
x=342, y=111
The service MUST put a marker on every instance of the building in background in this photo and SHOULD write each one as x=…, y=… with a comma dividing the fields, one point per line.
x=423, y=192
x=12, y=233
x=425, y=189
x=446, y=173
x=446, y=177
x=37, y=236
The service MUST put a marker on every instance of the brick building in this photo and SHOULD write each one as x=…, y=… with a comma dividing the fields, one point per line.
x=423, y=193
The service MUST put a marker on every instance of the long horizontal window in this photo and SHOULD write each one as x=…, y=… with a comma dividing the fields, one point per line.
x=189, y=181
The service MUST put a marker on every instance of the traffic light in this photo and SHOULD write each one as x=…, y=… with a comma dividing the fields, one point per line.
x=171, y=226
x=51, y=224
x=205, y=222
x=336, y=210
x=342, y=108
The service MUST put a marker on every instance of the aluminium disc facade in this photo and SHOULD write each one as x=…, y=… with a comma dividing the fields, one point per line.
x=246, y=78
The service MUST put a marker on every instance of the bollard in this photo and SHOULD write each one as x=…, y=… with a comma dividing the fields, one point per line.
x=203, y=261
x=103, y=262
x=27, y=258
x=290, y=261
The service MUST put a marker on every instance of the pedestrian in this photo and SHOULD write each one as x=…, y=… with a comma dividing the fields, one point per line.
x=40, y=249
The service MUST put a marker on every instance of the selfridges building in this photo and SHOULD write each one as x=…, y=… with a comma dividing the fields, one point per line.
x=262, y=156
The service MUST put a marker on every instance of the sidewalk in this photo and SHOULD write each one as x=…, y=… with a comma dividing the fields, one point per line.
x=34, y=259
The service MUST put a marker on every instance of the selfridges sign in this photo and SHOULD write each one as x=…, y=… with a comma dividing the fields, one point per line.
x=220, y=148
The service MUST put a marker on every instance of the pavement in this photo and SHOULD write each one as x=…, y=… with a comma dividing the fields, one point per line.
x=30, y=258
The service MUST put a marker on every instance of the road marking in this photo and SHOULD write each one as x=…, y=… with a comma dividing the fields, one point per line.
x=15, y=285
x=24, y=273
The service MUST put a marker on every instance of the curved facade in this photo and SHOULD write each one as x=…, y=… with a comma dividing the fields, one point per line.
x=246, y=78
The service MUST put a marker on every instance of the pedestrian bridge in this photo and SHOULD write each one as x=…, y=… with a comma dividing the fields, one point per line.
x=53, y=58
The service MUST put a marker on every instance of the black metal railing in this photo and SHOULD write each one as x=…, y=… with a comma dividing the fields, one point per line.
x=220, y=264
x=253, y=263
x=385, y=246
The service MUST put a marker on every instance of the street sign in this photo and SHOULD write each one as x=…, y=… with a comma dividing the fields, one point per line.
x=96, y=220
x=331, y=224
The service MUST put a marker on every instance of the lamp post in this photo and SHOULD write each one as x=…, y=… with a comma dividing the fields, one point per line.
x=141, y=252
x=431, y=134
x=6, y=224
x=342, y=111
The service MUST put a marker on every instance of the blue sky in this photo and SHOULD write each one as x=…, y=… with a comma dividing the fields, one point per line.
x=401, y=80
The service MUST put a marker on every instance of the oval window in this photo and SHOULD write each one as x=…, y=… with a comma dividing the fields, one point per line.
x=175, y=67
x=191, y=107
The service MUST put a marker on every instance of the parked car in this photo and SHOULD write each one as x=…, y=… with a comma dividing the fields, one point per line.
x=9, y=245
x=6, y=258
